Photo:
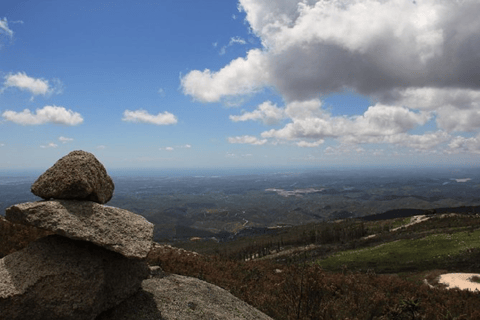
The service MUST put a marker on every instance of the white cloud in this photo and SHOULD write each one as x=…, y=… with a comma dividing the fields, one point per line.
x=304, y=144
x=456, y=109
x=24, y=82
x=50, y=145
x=415, y=60
x=187, y=146
x=246, y=140
x=343, y=149
x=64, y=139
x=310, y=121
x=371, y=46
x=233, y=40
x=461, y=144
x=100, y=147
x=161, y=92
x=48, y=114
x=4, y=28
x=426, y=141
x=266, y=112
x=144, y=117
x=169, y=148
x=35, y=86
x=241, y=76
x=230, y=155
x=2, y=144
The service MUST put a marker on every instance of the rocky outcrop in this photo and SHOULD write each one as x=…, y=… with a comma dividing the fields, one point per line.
x=111, y=228
x=171, y=297
x=59, y=278
x=94, y=267
x=95, y=260
x=77, y=176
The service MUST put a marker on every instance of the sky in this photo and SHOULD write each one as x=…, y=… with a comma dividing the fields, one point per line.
x=240, y=84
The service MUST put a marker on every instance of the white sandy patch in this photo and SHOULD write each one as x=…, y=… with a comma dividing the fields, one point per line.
x=460, y=280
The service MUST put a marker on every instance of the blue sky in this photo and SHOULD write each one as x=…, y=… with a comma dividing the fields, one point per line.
x=249, y=83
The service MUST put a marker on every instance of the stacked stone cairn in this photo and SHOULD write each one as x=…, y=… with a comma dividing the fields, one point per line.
x=94, y=260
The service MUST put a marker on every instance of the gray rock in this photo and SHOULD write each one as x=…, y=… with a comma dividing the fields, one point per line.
x=171, y=297
x=111, y=228
x=59, y=278
x=77, y=176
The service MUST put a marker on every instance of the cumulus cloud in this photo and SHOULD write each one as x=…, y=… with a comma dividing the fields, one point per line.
x=371, y=46
x=312, y=47
x=416, y=61
x=310, y=121
x=426, y=141
x=461, y=145
x=267, y=112
x=64, y=139
x=4, y=28
x=456, y=109
x=48, y=114
x=50, y=145
x=241, y=76
x=144, y=117
x=247, y=140
x=24, y=82
x=35, y=86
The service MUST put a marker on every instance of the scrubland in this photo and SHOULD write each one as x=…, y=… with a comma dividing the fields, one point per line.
x=331, y=270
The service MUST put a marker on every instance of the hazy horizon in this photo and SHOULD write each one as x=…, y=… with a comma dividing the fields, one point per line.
x=230, y=171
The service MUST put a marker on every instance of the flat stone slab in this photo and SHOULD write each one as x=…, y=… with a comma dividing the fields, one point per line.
x=112, y=228
x=76, y=176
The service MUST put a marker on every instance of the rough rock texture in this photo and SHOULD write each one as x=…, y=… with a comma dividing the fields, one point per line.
x=112, y=228
x=169, y=297
x=77, y=176
x=59, y=278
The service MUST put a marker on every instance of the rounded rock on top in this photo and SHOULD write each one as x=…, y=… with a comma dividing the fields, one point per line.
x=76, y=176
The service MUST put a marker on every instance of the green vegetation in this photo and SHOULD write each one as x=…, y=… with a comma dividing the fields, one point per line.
x=394, y=257
x=328, y=265
x=475, y=279
x=400, y=222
